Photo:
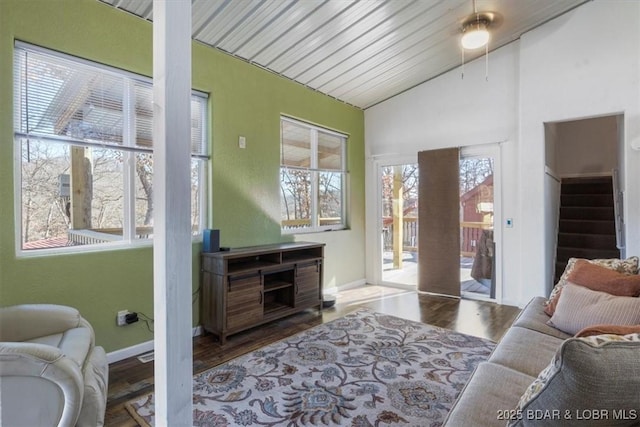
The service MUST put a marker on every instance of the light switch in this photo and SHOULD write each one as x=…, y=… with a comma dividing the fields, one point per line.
x=242, y=142
x=509, y=222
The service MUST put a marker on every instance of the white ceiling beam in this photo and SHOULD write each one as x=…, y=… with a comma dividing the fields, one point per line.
x=172, y=219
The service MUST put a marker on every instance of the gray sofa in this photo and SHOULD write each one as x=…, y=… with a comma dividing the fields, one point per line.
x=568, y=381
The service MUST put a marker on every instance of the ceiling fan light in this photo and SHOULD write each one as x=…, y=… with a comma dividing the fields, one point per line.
x=475, y=36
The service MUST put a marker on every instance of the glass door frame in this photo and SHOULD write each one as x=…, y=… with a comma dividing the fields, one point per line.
x=494, y=151
x=487, y=150
x=379, y=244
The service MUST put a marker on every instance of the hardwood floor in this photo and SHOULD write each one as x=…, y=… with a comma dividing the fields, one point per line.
x=130, y=378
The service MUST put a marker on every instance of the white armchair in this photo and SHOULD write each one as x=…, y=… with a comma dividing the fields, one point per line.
x=51, y=372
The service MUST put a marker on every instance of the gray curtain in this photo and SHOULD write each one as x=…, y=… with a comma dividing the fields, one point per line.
x=439, y=222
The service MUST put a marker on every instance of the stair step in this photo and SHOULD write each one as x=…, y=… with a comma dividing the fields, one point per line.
x=606, y=179
x=596, y=188
x=585, y=226
x=595, y=200
x=587, y=241
x=587, y=213
x=565, y=253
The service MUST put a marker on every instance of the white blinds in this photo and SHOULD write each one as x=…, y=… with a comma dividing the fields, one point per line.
x=310, y=147
x=295, y=150
x=63, y=98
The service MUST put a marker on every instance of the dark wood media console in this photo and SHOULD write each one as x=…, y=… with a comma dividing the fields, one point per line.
x=245, y=287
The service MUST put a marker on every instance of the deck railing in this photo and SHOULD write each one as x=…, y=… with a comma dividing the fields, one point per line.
x=409, y=234
x=104, y=235
x=470, y=233
x=300, y=223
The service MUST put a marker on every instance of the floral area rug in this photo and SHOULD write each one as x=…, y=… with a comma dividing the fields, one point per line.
x=364, y=369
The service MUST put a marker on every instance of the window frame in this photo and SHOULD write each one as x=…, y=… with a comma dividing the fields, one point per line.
x=314, y=171
x=128, y=148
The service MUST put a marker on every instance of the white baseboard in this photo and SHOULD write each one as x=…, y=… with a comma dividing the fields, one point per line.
x=351, y=285
x=125, y=353
x=134, y=350
x=335, y=289
x=399, y=286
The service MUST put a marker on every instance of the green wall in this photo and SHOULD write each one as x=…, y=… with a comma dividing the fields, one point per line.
x=244, y=187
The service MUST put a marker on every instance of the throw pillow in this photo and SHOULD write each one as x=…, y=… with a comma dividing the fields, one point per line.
x=608, y=330
x=598, y=278
x=579, y=307
x=625, y=266
x=587, y=376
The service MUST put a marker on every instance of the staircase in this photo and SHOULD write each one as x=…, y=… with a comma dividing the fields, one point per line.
x=586, y=227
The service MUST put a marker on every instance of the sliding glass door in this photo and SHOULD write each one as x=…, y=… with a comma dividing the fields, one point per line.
x=478, y=189
x=399, y=223
x=478, y=208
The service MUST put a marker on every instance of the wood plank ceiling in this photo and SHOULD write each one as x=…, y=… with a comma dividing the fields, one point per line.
x=358, y=51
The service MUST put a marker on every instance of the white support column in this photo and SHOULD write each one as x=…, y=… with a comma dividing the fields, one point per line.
x=172, y=218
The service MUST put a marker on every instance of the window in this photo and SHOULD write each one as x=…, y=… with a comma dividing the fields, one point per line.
x=312, y=177
x=84, y=153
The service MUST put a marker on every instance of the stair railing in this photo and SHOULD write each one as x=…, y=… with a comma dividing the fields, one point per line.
x=618, y=211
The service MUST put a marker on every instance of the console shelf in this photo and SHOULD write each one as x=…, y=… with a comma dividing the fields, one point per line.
x=273, y=286
x=246, y=287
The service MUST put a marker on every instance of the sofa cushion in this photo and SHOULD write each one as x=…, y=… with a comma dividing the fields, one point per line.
x=533, y=317
x=28, y=321
x=489, y=398
x=96, y=379
x=38, y=385
x=594, y=375
x=598, y=278
x=525, y=350
x=626, y=266
x=579, y=307
x=74, y=343
x=608, y=330
x=53, y=368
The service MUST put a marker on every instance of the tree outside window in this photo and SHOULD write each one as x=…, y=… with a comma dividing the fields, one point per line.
x=84, y=134
x=312, y=178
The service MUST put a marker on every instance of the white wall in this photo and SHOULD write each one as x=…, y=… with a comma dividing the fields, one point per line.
x=569, y=71
x=551, y=142
x=562, y=70
x=551, y=214
x=449, y=111
x=587, y=147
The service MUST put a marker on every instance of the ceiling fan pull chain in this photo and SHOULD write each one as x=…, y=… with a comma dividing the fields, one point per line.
x=486, y=62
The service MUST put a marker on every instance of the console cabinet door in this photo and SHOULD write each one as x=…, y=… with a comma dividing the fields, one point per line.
x=244, y=301
x=308, y=284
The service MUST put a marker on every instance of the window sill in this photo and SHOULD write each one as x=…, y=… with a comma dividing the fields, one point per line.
x=312, y=230
x=84, y=249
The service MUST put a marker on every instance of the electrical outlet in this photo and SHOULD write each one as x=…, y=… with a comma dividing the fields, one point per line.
x=121, y=318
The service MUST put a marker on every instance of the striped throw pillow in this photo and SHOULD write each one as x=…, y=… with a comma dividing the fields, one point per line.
x=579, y=307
